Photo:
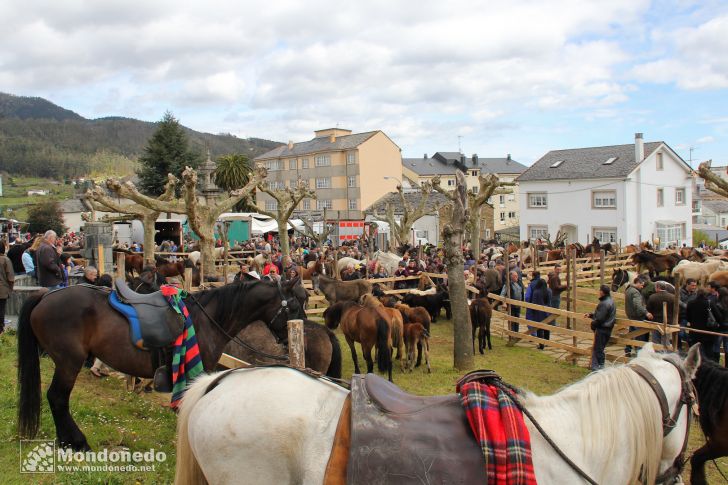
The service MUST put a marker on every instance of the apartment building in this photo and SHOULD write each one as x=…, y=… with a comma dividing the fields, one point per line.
x=349, y=171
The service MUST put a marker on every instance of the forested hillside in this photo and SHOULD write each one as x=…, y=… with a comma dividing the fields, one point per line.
x=42, y=139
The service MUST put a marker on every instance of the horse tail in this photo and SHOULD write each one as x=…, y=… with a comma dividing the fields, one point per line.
x=384, y=358
x=29, y=397
x=334, y=369
x=188, y=471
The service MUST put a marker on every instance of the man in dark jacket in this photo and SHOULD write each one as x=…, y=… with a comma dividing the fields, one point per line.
x=603, y=320
x=48, y=264
x=687, y=294
x=664, y=294
x=634, y=307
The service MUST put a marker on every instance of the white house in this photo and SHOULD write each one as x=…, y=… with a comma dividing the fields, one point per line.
x=622, y=193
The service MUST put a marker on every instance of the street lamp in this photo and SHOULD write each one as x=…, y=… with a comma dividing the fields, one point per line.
x=388, y=177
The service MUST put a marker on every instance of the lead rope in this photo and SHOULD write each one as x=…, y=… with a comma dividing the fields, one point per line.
x=511, y=391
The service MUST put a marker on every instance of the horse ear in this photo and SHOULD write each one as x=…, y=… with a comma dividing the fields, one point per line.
x=692, y=361
x=647, y=349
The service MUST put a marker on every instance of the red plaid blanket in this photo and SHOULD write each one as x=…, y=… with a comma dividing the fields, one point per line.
x=501, y=432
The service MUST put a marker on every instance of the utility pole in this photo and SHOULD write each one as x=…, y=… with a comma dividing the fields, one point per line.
x=460, y=148
x=691, y=155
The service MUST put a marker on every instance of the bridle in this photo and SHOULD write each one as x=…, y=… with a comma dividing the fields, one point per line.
x=669, y=422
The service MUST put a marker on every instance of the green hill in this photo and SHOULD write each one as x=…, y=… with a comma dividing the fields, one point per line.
x=42, y=139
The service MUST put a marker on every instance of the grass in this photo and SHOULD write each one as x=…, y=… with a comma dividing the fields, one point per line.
x=15, y=197
x=112, y=417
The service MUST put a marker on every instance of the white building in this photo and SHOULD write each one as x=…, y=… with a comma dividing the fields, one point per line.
x=622, y=193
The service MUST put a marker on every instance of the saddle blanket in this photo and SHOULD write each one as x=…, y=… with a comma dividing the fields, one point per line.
x=501, y=432
x=186, y=360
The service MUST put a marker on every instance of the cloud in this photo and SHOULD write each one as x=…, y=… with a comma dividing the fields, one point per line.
x=705, y=139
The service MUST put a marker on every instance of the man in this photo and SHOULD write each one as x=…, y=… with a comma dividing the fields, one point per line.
x=90, y=275
x=7, y=280
x=634, y=307
x=603, y=320
x=516, y=294
x=50, y=273
x=350, y=273
x=245, y=274
x=664, y=293
x=555, y=286
x=687, y=294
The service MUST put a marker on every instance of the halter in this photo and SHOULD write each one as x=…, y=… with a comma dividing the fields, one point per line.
x=687, y=399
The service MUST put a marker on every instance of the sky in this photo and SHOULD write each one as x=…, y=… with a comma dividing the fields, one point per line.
x=492, y=78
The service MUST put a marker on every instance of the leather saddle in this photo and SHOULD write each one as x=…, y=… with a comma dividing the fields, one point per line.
x=399, y=438
x=159, y=325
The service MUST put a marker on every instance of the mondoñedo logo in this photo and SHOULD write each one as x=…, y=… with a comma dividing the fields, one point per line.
x=37, y=456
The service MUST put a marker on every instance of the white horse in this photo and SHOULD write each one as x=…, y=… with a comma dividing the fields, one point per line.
x=277, y=425
x=388, y=260
x=344, y=262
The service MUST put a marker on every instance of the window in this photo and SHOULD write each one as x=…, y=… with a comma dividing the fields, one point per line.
x=475, y=189
x=659, y=162
x=660, y=197
x=450, y=183
x=271, y=205
x=474, y=173
x=306, y=204
x=351, y=158
x=323, y=204
x=670, y=233
x=610, y=161
x=351, y=181
x=605, y=234
x=604, y=199
x=352, y=204
x=502, y=200
x=512, y=215
x=322, y=160
x=537, y=232
x=323, y=183
x=511, y=197
x=292, y=164
x=273, y=165
x=503, y=217
x=680, y=196
x=537, y=200
x=557, y=164
x=275, y=185
x=304, y=163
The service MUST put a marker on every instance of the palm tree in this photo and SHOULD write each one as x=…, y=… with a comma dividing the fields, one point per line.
x=233, y=172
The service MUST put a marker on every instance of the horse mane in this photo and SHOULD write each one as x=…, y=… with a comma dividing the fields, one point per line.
x=711, y=382
x=228, y=298
x=370, y=301
x=604, y=399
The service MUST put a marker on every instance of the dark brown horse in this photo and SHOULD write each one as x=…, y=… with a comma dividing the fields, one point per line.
x=711, y=382
x=69, y=333
x=415, y=335
x=132, y=261
x=170, y=269
x=655, y=263
x=480, y=314
x=368, y=326
x=317, y=268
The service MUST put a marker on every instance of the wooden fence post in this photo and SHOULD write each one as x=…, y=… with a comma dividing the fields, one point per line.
x=568, y=282
x=676, y=315
x=573, y=286
x=602, y=257
x=120, y=265
x=187, y=283
x=296, y=354
x=100, y=259
x=665, y=336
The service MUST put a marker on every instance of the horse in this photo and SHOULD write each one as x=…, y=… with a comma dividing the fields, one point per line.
x=432, y=303
x=691, y=254
x=388, y=260
x=69, y=333
x=711, y=383
x=700, y=272
x=415, y=315
x=719, y=276
x=169, y=269
x=368, y=326
x=622, y=277
x=342, y=263
x=240, y=427
x=132, y=261
x=416, y=336
x=654, y=263
x=321, y=347
x=335, y=290
x=314, y=268
x=396, y=325
x=480, y=315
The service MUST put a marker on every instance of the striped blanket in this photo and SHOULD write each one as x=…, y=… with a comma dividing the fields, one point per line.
x=186, y=361
x=501, y=432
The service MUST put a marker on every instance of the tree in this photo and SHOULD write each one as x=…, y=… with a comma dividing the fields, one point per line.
x=233, y=172
x=99, y=200
x=409, y=213
x=167, y=151
x=713, y=182
x=287, y=200
x=453, y=218
x=308, y=230
x=44, y=216
x=478, y=206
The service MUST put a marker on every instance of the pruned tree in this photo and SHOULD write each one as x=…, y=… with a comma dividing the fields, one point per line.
x=309, y=231
x=478, y=206
x=287, y=199
x=201, y=217
x=409, y=213
x=713, y=182
x=454, y=217
x=99, y=200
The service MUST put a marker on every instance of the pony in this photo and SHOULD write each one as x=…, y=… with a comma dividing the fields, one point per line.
x=699, y=271
x=69, y=333
x=388, y=260
x=711, y=383
x=719, y=276
x=368, y=326
x=396, y=324
x=342, y=263
x=321, y=347
x=335, y=290
x=654, y=263
x=415, y=315
x=432, y=303
x=132, y=261
x=416, y=336
x=240, y=427
x=314, y=268
x=480, y=315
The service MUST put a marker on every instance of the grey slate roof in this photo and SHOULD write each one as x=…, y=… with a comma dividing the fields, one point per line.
x=717, y=206
x=317, y=145
x=435, y=201
x=586, y=163
x=72, y=205
x=433, y=165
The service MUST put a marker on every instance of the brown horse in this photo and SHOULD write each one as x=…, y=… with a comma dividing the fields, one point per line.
x=419, y=315
x=314, y=268
x=69, y=333
x=655, y=263
x=480, y=314
x=368, y=326
x=322, y=349
x=711, y=383
x=396, y=324
x=336, y=291
x=415, y=335
x=170, y=269
x=132, y=261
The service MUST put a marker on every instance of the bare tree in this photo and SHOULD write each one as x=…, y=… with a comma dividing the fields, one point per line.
x=713, y=182
x=99, y=200
x=410, y=213
x=454, y=217
x=287, y=200
x=479, y=208
x=309, y=231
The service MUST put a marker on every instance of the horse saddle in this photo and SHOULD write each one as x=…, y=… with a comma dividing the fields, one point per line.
x=154, y=324
x=398, y=438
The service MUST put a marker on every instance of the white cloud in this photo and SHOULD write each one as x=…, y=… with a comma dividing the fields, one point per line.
x=705, y=139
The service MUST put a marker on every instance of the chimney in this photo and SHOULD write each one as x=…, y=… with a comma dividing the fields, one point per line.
x=474, y=158
x=290, y=144
x=508, y=158
x=332, y=138
x=639, y=147
x=425, y=157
